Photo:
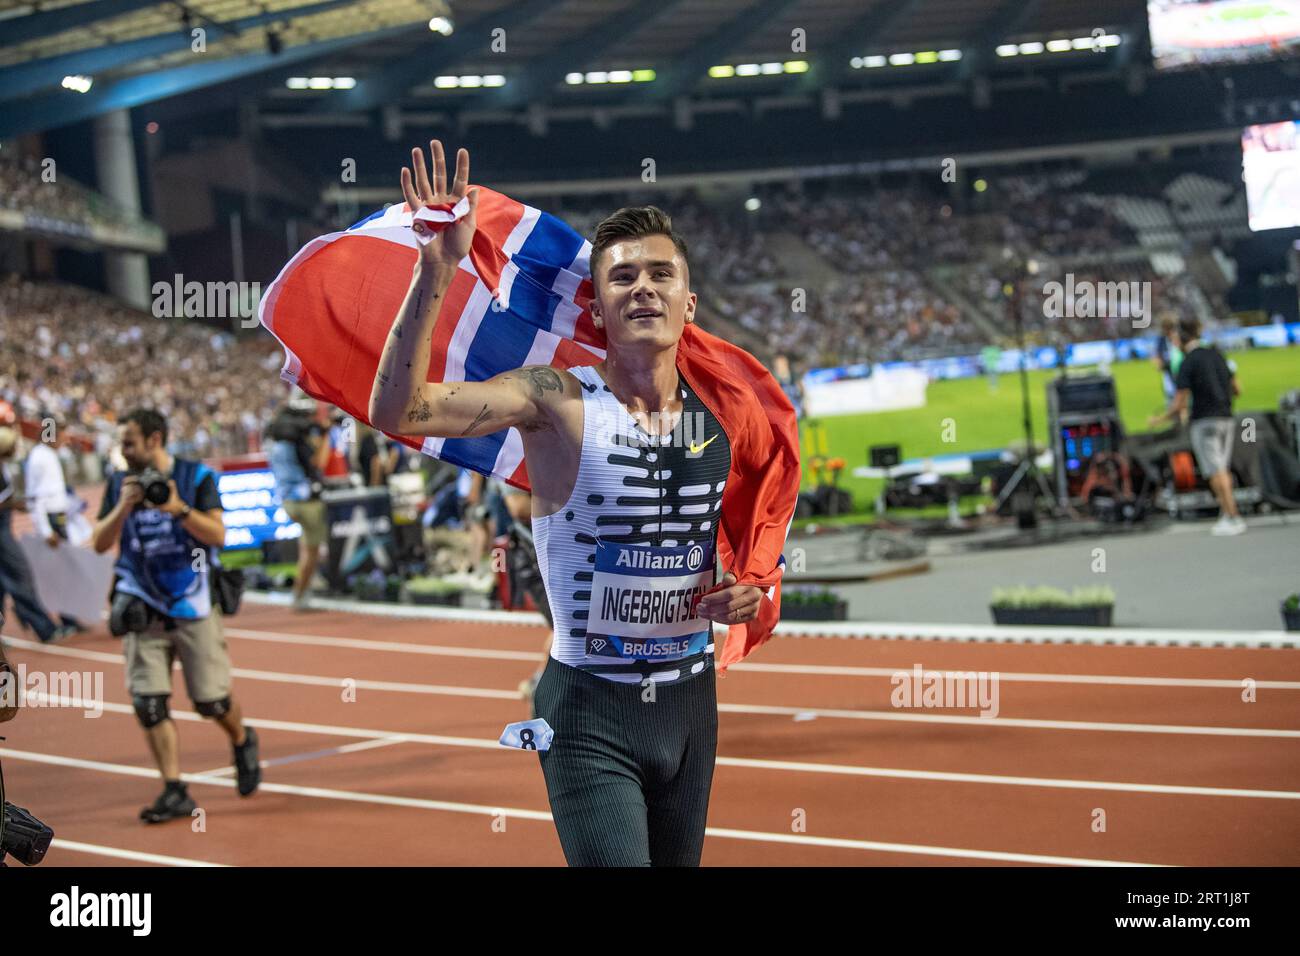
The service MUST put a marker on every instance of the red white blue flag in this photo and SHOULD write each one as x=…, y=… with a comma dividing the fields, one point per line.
x=521, y=298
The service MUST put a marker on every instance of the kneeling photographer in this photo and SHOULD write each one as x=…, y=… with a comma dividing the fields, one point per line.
x=22, y=836
x=166, y=515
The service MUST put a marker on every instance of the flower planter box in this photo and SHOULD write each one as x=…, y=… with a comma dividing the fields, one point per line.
x=1291, y=619
x=1099, y=616
x=448, y=599
x=839, y=611
x=381, y=593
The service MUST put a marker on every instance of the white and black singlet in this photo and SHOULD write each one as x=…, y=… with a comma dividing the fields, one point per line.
x=635, y=544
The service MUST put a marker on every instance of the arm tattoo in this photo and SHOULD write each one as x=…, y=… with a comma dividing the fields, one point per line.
x=420, y=411
x=543, y=379
x=482, y=416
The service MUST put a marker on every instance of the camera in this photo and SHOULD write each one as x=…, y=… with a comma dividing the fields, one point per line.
x=23, y=837
x=154, y=483
x=127, y=613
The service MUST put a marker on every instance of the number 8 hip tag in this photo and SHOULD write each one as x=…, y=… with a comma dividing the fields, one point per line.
x=535, y=734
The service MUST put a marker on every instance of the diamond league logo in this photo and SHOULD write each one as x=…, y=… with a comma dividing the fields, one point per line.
x=694, y=558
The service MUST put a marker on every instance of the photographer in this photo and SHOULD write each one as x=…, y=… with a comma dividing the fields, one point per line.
x=166, y=515
x=297, y=452
x=22, y=836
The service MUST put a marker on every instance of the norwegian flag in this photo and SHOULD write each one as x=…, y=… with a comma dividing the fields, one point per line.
x=519, y=298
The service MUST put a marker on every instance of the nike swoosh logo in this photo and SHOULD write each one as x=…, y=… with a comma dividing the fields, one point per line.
x=696, y=449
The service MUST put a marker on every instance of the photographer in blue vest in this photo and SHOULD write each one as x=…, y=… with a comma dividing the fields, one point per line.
x=166, y=515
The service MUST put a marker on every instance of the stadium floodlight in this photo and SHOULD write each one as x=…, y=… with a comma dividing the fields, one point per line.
x=1030, y=48
x=344, y=82
x=1082, y=43
x=320, y=83
x=871, y=62
x=856, y=63
x=446, y=82
x=1058, y=46
x=78, y=83
x=643, y=76
x=796, y=66
x=770, y=68
x=748, y=69
x=980, y=185
x=1109, y=40
x=1007, y=49
x=949, y=56
x=573, y=79
x=441, y=25
x=597, y=76
x=494, y=79
x=620, y=76
x=753, y=203
x=471, y=81
x=902, y=59
x=927, y=56
x=296, y=82
x=722, y=71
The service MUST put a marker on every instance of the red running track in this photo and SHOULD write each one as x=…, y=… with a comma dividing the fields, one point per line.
x=1096, y=755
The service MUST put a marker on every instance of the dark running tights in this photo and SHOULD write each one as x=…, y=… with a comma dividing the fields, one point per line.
x=628, y=778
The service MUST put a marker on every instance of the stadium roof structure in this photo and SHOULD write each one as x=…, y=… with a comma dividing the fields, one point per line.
x=63, y=61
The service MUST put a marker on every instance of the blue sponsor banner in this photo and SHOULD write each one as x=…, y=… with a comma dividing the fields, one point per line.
x=1099, y=352
x=253, y=511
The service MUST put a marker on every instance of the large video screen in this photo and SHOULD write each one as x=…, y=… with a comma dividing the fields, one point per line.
x=1270, y=160
x=1188, y=33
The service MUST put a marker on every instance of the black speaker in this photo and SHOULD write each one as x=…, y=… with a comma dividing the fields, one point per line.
x=885, y=456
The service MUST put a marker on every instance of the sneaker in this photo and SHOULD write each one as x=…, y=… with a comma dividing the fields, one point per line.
x=174, y=802
x=60, y=634
x=248, y=768
x=1227, y=525
x=303, y=605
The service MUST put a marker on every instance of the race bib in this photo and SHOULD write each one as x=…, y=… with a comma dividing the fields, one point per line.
x=641, y=600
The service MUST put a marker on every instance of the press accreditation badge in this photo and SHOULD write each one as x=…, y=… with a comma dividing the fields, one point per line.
x=642, y=598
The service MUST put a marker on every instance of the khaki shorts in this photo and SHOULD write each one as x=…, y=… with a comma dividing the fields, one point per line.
x=1212, y=441
x=201, y=646
x=311, y=515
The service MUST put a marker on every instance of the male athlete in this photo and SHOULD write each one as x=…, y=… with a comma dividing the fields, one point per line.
x=628, y=468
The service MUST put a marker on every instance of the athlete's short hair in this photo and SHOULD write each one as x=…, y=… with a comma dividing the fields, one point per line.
x=634, y=222
x=1189, y=329
x=149, y=421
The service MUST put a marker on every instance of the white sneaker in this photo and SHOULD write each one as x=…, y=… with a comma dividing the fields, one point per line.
x=1227, y=525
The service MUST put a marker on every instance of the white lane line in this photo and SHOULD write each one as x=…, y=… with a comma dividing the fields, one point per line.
x=828, y=670
x=418, y=611
x=398, y=647
x=831, y=670
x=1025, y=722
x=1050, y=782
x=229, y=770
x=1033, y=723
x=518, y=813
x=282, y=677
x=484, y=743
x=1168, y=637
x=76, y=847
x=920, y=850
